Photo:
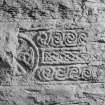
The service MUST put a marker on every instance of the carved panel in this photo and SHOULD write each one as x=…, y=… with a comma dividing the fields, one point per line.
x=52, y=52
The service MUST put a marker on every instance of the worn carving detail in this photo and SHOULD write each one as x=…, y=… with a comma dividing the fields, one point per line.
x=26, y=54
x=82, y=38
x=52, y=52
x=60, y=39
x=70, y=73
x=70, y=38
x=64, y=56
x=42, y=39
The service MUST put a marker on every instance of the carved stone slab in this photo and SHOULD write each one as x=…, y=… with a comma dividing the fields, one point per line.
x=52, y=52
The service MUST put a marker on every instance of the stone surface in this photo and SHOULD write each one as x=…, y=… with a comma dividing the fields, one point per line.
x=52, y=52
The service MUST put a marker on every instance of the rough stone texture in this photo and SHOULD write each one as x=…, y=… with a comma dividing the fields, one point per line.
x=52, y=52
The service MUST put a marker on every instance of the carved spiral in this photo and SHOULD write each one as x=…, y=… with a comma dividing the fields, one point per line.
x=74, y=73
x=46, y=74
x=82, y=38
x=86, y=73
x=70, y=38
x=61, y=74
x=57, y=39
x=42, y=39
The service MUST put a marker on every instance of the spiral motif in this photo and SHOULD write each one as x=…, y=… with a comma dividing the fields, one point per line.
x=82, y=38
x=74, y=73
x=57, y=39
x=46, y=74
x=42, y=39
x=70, y=38
x=86, y=73
x=61, y=74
